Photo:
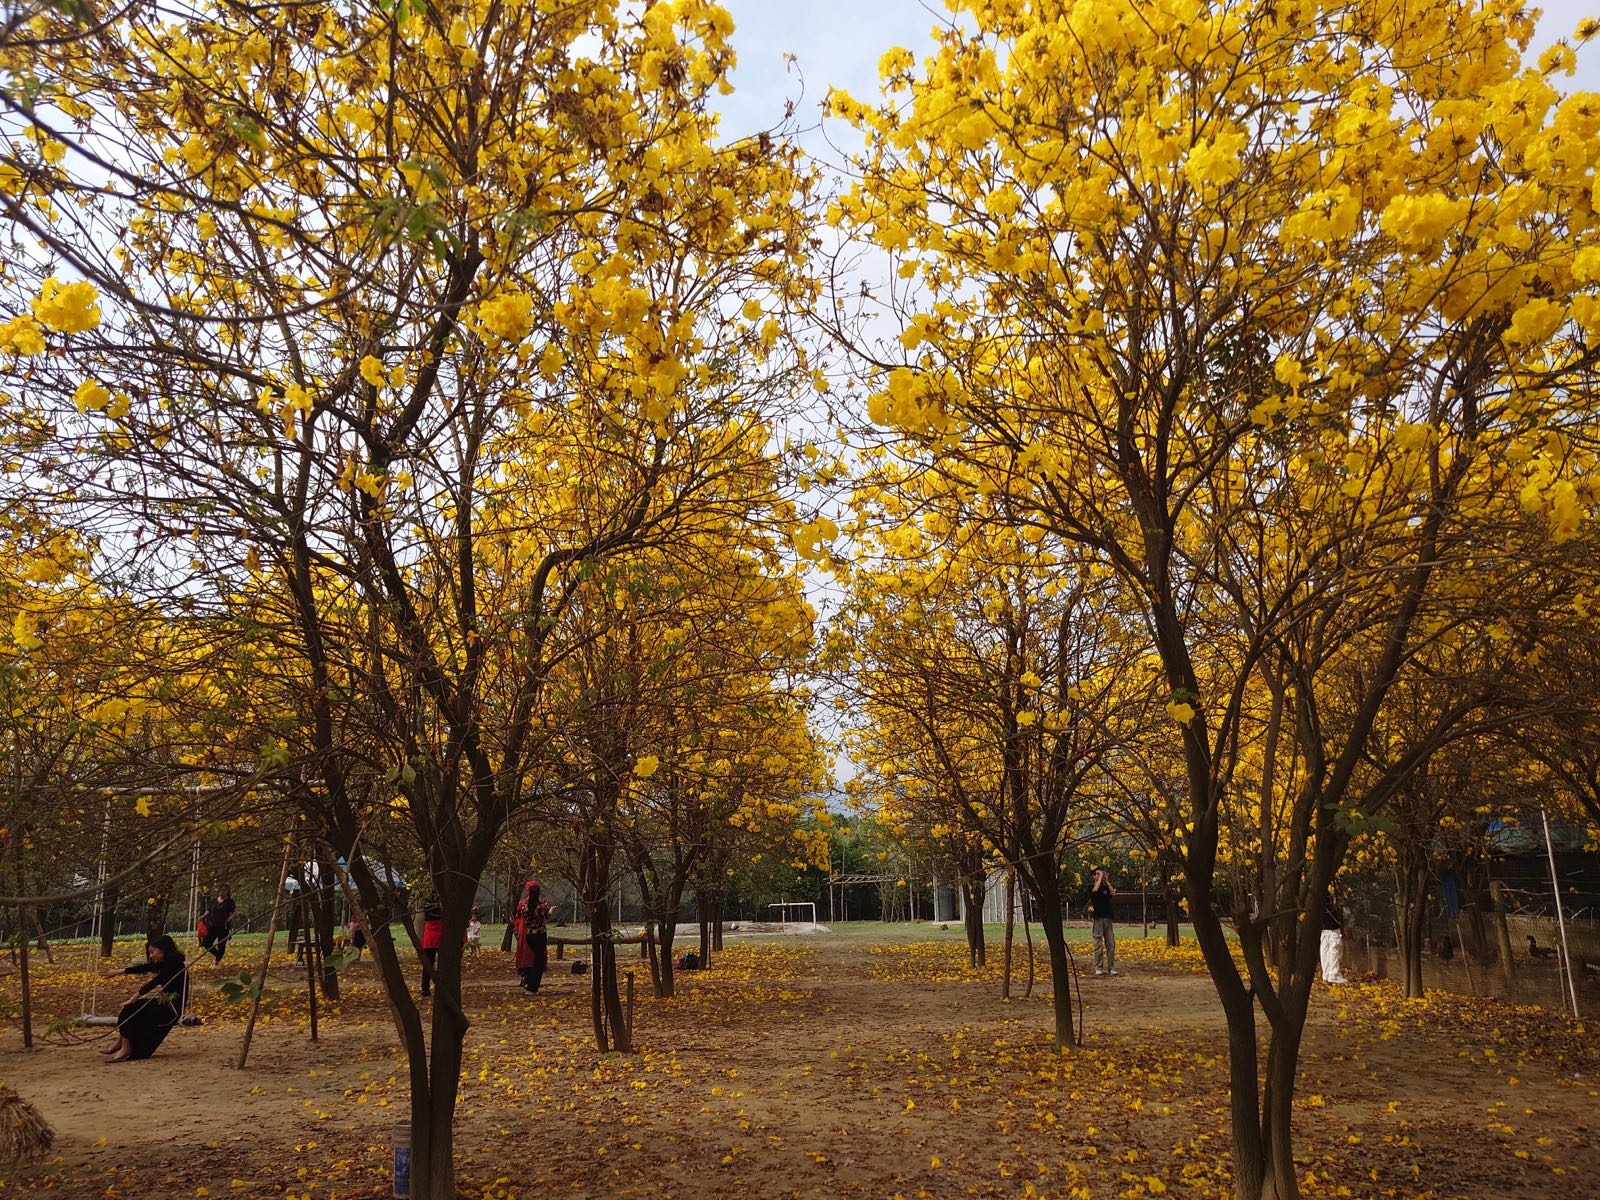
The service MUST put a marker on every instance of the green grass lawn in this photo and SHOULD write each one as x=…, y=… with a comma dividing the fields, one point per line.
x=994, y=935
x=244, y=945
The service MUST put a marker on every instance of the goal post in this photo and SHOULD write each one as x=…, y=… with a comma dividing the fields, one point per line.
x=783, y=907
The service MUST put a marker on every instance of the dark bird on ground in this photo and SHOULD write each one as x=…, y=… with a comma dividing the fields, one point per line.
x=1538, y=951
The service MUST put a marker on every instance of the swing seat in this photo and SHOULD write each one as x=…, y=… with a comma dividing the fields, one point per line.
x=97, y=1021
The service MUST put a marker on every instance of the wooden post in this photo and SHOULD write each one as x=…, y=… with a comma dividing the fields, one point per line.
x=1502, y=936
x=508, y=935
x=1144, y=901
x=312, y=947
x=1561, y=919
x=1011, y=903
x=42, y=942
x=597, y=1008
x=1466, y=959
x=105, y=897
x=27, y=992
x=1028, y=934
x=23, y=911
x=266, y=955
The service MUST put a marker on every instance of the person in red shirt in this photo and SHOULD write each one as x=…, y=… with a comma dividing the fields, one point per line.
x=432, y=939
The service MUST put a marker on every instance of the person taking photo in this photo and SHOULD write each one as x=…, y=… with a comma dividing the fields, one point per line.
x=1103, y=920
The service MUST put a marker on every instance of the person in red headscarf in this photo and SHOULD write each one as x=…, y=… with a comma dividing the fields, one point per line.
x=533, y=914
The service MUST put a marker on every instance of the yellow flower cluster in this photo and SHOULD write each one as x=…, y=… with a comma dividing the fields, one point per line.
x=21, y=336
x=508, y=316
x=67, y=307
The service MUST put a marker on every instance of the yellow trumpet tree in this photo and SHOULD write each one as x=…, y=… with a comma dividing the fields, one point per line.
x=411, y=320
x=1264, y=307
x=996, y=685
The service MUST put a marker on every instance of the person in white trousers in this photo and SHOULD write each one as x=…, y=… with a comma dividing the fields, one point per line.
x=1332, y=943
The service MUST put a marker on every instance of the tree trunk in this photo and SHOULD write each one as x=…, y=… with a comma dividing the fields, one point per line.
x=433, y=1059
x=716, y=923
x=155, y=917
x=323, y=912
x=23, y=980
x=1027, y=936
x=108, y=920
x=1502, y=938
x=311, y=970
x=509, y=933
x=611, y=996
x=667, y=934
x=605, y=1001
x=1048, y=892
x=972, y=887
x=597, y=1007
x=1412, y=879
x=652, y=905
x=652, y=953
x=702, y=912
x=1169, y=904
x=1280, y=1181
x=605, y=1005
x=42, y=942
x=433, y=1108
x=1238, y=1008
x=15, y=846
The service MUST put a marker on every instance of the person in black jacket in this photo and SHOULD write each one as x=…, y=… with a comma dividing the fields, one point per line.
x=218, y=922
x=147, y=1018
x=1104, y=924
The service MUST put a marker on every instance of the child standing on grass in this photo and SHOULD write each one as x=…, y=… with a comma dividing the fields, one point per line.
x=474, y=933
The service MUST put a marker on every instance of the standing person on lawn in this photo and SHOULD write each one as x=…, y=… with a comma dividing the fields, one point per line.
x=1101, y=894
x=216, y=926
x=1333, y=941
x=532, y=940
x=432, y=939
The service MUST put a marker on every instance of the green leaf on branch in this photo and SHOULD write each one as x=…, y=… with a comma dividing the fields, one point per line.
x=1355, y=823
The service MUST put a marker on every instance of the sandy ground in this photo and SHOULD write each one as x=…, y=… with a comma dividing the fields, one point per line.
x=821, y=1067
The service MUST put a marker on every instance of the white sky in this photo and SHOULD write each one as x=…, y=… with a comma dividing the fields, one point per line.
x=838, y=44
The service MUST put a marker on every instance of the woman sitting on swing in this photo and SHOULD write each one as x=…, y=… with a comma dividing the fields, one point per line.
x=149, y=1016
